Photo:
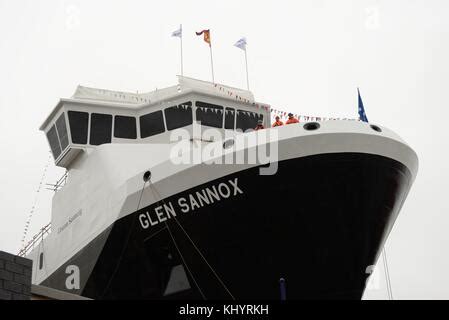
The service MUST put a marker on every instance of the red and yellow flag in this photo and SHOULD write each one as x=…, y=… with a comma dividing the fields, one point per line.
x=206, y=34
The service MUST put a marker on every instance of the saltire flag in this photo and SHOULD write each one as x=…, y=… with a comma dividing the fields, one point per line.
x=362, y=114
x=206, y=34
x=177, y=33
x=241, y=44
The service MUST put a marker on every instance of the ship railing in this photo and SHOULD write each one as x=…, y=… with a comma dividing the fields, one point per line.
x=59, y=184
x=44, y=231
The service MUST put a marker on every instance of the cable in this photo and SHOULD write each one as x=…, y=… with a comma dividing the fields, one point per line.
x=185, y=263
x=198, y=250
x=179, y=251
x=125, y=244
x=205, y=260
x=387, y=274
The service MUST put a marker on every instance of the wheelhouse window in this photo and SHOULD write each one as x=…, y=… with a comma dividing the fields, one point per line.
x=179, y=116
x=100, y=128
x=229, y=118
x=78, y=122
x=125, y=127
x=57, y=136
x=62, y=132
x=247, y=120
x=151, y=124
x=208, y=114
x=52, y=137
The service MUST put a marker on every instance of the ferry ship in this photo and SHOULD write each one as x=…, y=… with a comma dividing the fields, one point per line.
x=171, y=195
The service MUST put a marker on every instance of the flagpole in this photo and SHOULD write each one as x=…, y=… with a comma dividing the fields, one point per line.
x=247, y=77
x=182, y=66
x=211, y=63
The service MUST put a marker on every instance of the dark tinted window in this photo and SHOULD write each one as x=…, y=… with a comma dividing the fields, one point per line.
x=78, y=126
x=62, y=132
x=100, y=128
x=41, y=260
x=209, y=114
x=179, y=116
x=52, y=137
x=247, y=120
x=229, y=118
x=125, y=127
x=151, y=124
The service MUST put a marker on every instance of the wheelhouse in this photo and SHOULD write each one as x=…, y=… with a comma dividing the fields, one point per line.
x=93, y=117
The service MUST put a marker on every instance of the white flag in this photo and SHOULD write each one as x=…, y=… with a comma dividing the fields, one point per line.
x=241, y=44
x=177, y=33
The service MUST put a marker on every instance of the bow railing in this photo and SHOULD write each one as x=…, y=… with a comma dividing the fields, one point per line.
x=43, y=232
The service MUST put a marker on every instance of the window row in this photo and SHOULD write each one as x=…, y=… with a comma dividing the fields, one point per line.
x=179, y=116
x=57, y=137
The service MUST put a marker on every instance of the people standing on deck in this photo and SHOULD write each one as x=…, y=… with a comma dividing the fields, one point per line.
x=291, y=119
x=278, y=122
x=259, y=125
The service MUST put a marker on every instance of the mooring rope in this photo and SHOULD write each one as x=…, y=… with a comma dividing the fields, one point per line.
x=185, y=263
x=125, y=244
x=387, y=274
x=153, y=191
x=196, y=248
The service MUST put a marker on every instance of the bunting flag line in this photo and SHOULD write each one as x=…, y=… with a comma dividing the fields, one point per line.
x=273, y=111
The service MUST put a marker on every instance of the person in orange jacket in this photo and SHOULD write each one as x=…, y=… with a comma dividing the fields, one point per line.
x=278, y=122
x=259, y=125
x=291, y=119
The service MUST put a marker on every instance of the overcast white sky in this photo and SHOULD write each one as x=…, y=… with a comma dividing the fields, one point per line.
x=304, y=56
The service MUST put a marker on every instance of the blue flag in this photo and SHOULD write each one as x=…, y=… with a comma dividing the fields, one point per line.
x=362, y=114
